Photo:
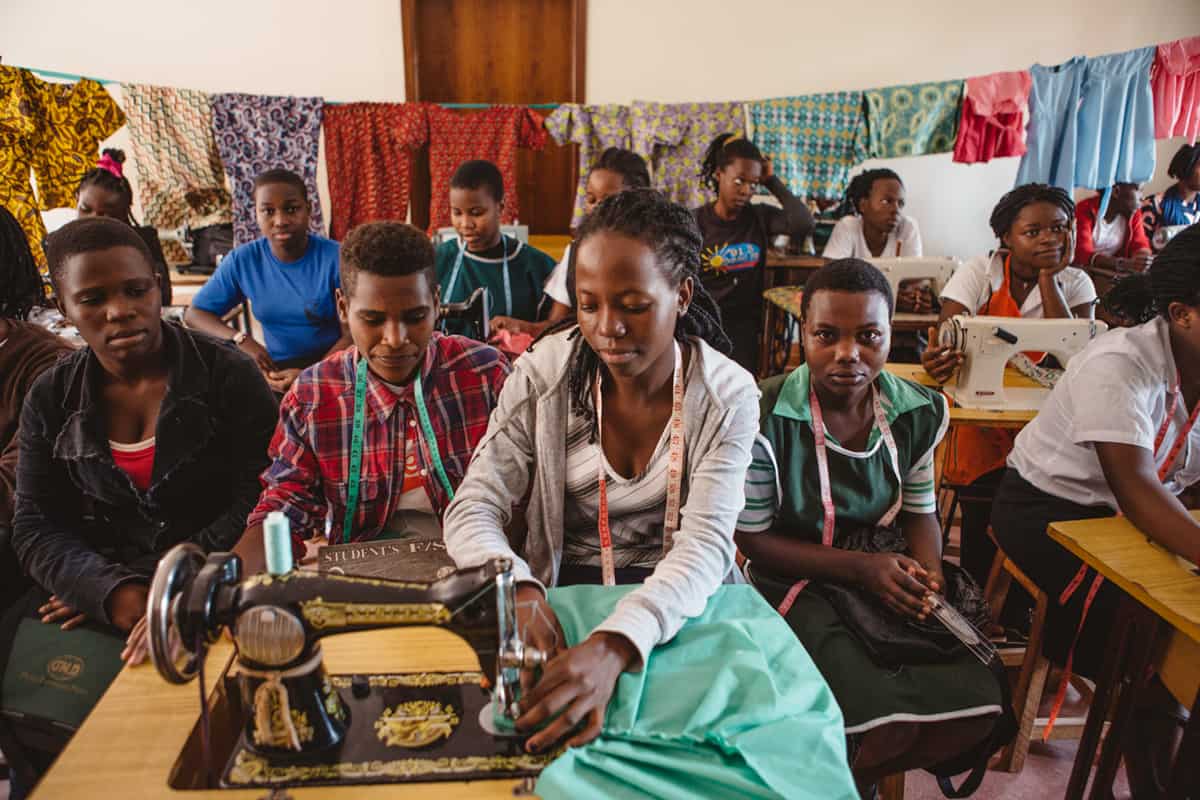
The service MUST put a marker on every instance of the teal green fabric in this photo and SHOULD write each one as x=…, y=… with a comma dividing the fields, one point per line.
x=913, y=120
x=730, y=707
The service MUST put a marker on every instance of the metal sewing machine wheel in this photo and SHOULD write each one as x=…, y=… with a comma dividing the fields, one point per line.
x=294, y=713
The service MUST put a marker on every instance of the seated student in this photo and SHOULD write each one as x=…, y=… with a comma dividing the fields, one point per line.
x=585, y=422
x=1117, y=242
x=104, y=191
x=289, y=276
x=1115, y=436
x=737, y=234
x=389, y=301
x=1028, y=276
x=845, y=457
x=874, y=225
x=513, y=272
x=26, y=350
x=150, y=436
x=1180, y=203
x=615, y=171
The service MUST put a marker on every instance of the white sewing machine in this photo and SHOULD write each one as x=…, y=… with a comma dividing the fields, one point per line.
x=989, y=342
x=897, y=270
x=1166, y=234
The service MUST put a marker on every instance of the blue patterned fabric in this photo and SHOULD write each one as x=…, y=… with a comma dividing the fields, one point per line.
x=256, y=133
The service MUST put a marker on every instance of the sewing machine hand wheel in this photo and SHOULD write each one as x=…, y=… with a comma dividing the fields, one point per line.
x=176, y=572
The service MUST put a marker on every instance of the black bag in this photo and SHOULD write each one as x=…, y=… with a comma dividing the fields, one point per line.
x=892, y=640
x=889, y=638
x=209, y=245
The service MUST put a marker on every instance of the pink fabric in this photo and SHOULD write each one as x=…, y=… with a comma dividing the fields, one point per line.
x=993, y=117
x=1175, y=79
x=109, y=163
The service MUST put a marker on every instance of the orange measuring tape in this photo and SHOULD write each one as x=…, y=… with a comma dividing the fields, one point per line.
x=674, y=474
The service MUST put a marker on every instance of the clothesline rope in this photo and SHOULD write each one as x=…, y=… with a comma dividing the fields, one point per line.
x=69, y=76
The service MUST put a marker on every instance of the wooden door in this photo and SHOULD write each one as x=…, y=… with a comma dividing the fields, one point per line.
x=501, y=51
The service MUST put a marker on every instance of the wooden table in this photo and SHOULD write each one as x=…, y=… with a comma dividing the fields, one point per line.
x=1013, y=419
x=1158, y=622
x=126, y=748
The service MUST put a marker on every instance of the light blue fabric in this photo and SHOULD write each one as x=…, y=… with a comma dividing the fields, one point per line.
x=732, y=706
x=1116, y=121
x=1053, y=124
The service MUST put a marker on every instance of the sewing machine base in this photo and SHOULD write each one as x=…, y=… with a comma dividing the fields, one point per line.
x=1014, y=399
x=403, y=728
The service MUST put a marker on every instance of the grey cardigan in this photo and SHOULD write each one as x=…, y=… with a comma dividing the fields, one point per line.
x=524, y=451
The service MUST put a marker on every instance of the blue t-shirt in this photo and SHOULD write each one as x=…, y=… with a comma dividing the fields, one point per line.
x=294, y=302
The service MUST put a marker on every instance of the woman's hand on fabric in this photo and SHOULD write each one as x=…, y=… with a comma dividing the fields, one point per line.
x=55, y=610
x=914, y=297
x=137, y=645
x=899, y=581
x=574, y=691
x=513, y=325
x=939, y=361
x=280, y=380
x=259, y=353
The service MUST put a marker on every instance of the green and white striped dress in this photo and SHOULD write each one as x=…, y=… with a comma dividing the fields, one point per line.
x=783, y=496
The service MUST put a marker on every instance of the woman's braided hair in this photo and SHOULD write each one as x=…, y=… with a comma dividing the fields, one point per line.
x=1174, y=277
x=670, y=229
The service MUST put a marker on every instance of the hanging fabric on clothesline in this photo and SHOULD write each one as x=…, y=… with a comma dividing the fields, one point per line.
x=915, y=120
x=812, y=141
x=1175, y=80
x=1116, y=121
x=256, y=133
x=992, y=124
x=53, y=130
x=180, y=177
x=368, y=158
x=1053, y=124
x=594, y=129
x=673, y=137
x=493, y=134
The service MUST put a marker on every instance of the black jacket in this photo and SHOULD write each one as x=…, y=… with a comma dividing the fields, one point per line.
x=81, y=527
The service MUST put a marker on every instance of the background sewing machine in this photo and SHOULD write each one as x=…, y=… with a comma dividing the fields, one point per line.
x=989, y=343
x=898, y=270
x=1166, y=234
x=476, y=311
x=281, y=720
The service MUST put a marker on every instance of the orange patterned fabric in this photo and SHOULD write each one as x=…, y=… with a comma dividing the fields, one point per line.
x=368, y=154
x=493, y=134
x=55, y=130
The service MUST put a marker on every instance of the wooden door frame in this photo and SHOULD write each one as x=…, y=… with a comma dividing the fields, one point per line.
x=412, y=71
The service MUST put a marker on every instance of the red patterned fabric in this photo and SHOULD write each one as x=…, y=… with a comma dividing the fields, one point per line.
x=493, y=134
x=368, y=154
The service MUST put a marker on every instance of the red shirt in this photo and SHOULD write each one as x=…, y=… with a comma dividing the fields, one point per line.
x=1085, y=222
x=136, y=461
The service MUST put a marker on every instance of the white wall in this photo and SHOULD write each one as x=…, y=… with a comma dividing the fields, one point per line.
x=672, y=50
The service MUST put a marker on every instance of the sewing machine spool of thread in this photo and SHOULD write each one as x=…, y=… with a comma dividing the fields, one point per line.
x=277, y=542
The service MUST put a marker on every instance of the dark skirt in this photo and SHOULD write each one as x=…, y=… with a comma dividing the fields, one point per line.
x=1021, y=514
x=870, y=694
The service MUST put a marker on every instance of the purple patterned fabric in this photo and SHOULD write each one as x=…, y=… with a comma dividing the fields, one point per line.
x=255, y=133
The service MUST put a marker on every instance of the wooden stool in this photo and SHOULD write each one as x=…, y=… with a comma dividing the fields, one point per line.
x=1031, y=680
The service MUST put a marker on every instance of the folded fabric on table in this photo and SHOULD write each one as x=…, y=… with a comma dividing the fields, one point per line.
x=731, y=707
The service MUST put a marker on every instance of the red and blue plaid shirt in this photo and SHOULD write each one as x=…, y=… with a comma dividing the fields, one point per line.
x=310, y=452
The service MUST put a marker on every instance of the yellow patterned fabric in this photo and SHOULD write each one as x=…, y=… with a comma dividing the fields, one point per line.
x=913, y=120
x=53, y=129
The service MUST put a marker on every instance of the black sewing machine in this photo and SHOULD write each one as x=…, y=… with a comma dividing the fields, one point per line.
x=476, y=311
x=287, y=722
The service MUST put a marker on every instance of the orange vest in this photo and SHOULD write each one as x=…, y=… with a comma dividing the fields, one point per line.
x=973, y=451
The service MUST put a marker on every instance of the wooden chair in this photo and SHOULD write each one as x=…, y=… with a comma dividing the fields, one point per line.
x=1033, y=666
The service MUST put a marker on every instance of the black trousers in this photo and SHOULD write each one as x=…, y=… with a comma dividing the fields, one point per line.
x=1020, y=515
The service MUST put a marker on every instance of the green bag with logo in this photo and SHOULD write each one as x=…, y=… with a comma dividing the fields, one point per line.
x=53, y=678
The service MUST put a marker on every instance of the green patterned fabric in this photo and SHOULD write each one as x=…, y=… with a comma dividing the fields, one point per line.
x=732, y=706
x=913, y=120
x=812, y=141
